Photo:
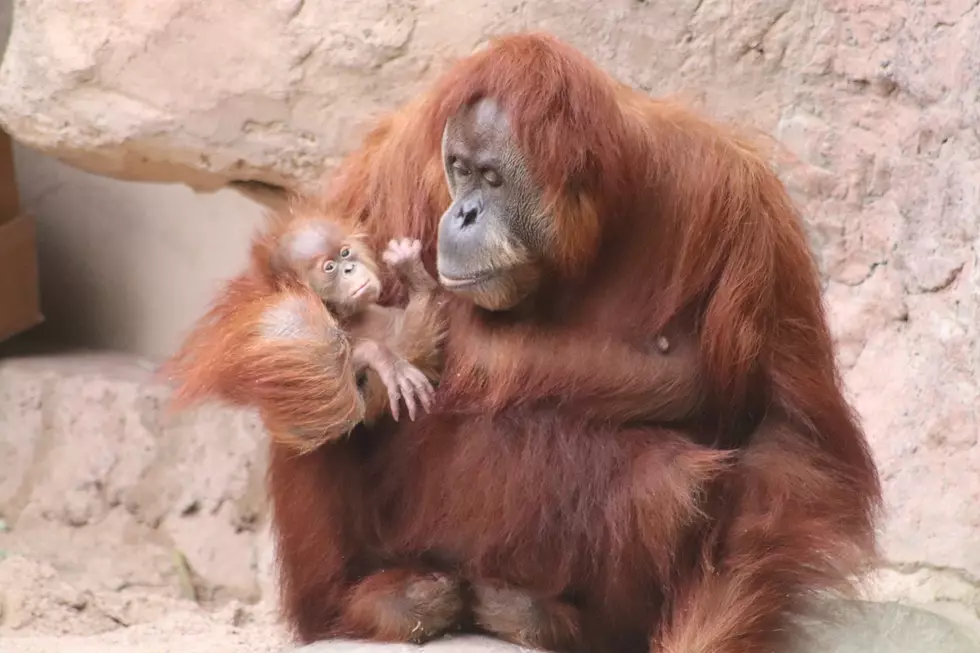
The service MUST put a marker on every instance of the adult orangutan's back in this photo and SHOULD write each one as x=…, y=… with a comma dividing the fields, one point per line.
x=560, y=496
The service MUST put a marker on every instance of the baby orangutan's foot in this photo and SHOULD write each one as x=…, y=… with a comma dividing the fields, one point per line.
x=399, y=605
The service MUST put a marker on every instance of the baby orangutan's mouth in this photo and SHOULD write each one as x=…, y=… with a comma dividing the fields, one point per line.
x=361, y=289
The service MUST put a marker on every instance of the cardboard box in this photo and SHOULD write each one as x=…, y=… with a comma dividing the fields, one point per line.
x=20, y=301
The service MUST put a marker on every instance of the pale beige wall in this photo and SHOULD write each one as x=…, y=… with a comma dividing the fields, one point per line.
x=129, y=266
x=6, y=17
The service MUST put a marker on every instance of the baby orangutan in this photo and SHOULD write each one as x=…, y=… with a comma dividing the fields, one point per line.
x=400, y=345
x=299, y=334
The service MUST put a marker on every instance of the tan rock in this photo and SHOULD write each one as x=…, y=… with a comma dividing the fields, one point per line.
x=206, y=92
x=111, y=487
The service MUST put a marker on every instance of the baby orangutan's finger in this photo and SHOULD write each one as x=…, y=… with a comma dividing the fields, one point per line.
x=408, y=394
x=389, y=378
x=423, y=388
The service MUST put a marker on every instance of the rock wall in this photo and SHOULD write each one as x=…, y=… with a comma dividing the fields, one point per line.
x=878, y=104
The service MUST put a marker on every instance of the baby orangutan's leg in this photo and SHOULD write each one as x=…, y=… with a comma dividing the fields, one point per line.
x=402, y=605
x=520, y=618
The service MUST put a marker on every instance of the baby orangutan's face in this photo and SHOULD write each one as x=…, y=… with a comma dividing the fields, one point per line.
x=345, y=278
x=335, y=263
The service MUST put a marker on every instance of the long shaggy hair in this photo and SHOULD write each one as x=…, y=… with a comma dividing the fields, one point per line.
x=693, y=516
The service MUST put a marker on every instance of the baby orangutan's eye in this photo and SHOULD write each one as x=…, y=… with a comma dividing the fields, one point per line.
x=345, y=252
x=329, y=266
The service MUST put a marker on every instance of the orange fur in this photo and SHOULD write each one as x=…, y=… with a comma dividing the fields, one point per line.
x=546, y=468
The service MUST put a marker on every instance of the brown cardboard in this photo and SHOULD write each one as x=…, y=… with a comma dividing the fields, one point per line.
x=9, y=198
x=20, y=305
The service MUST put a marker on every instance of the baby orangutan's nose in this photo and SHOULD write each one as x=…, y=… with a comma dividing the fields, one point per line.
x=348, y=268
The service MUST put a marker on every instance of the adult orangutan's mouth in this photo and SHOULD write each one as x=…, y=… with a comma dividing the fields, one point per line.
x=469, y=281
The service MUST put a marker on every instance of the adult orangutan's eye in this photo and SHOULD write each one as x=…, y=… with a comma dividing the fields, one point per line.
x=459, y=168
x=492, y=177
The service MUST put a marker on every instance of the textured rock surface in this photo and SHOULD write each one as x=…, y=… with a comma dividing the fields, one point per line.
x=102, y=484
x=122, y=528
x=208, y=91
x=878, y=104
x=229, y=89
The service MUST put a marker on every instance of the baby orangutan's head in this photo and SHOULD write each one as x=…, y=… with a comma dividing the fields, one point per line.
x=338, y=265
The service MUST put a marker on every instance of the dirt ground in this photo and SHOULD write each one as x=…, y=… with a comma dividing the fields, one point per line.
x=49, y=607
x=45, y=614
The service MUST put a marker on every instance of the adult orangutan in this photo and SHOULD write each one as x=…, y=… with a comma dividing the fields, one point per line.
x=591, y=233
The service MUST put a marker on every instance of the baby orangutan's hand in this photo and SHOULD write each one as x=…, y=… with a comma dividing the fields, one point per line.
x=405, y=258
x=402, y=255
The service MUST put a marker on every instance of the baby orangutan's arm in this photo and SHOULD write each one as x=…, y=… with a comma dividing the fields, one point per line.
x=421, y=327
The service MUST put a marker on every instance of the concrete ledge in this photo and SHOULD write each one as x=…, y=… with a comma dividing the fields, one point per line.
x=468, y=644
x=852, y=627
